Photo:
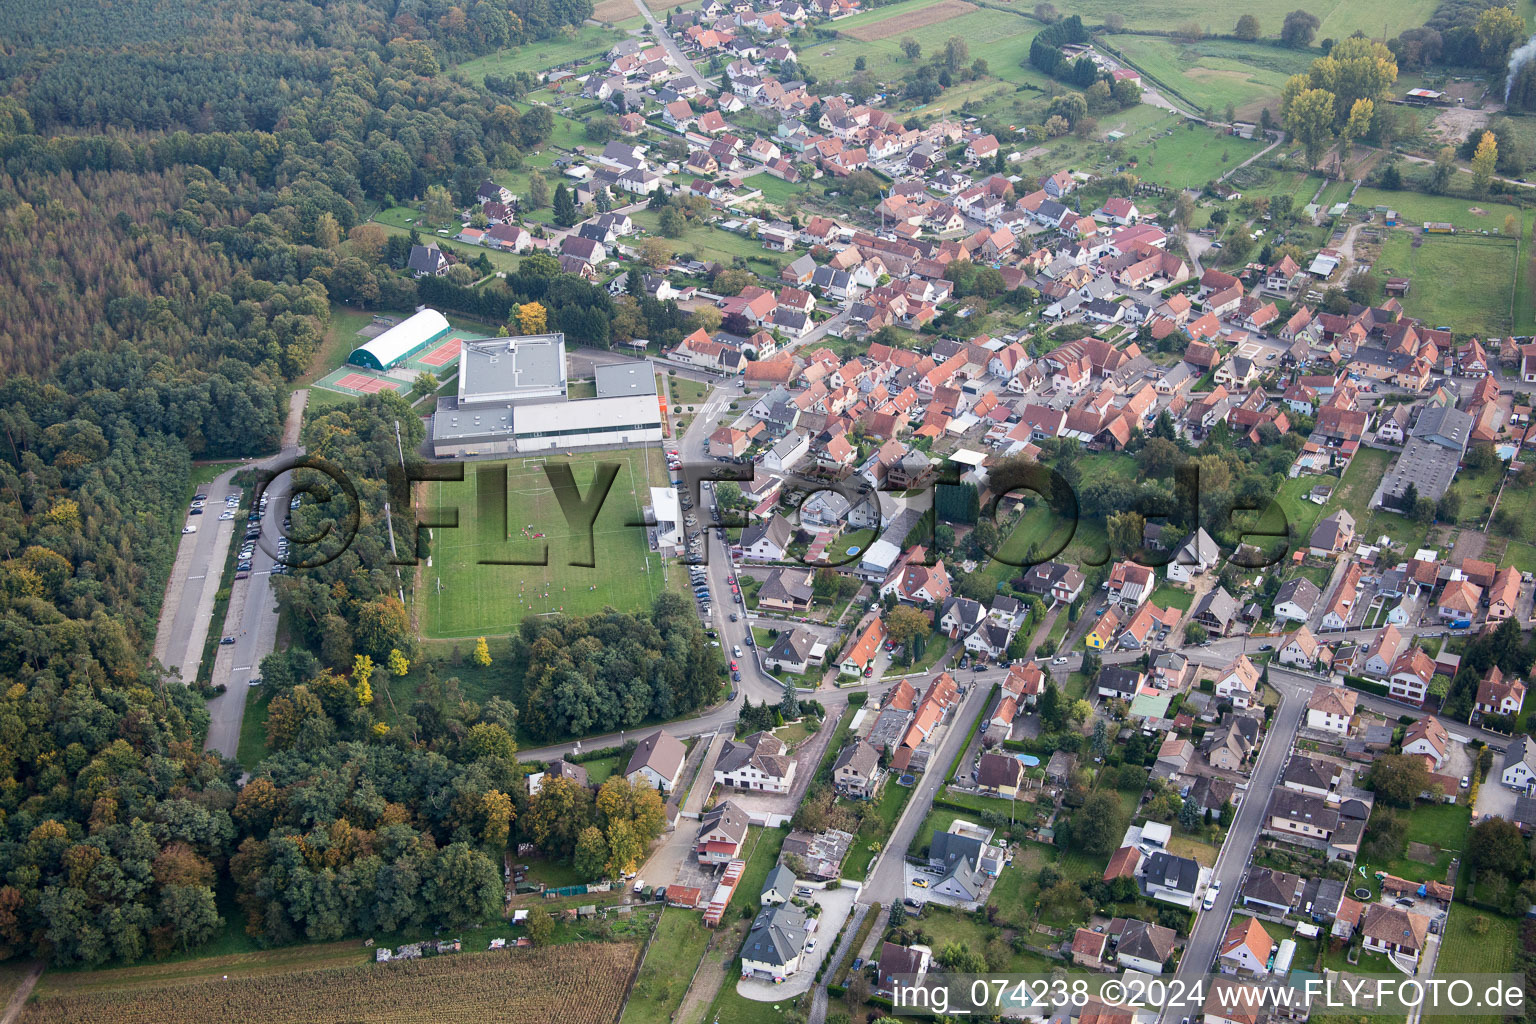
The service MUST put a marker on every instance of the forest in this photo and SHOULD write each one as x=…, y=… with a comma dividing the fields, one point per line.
x=181, y=192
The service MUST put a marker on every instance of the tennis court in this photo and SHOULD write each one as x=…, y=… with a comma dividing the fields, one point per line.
x=447, y=352
x=360, y=383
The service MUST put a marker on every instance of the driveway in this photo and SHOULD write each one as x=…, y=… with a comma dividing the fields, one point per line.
x=835, y=904
x=1494, y=798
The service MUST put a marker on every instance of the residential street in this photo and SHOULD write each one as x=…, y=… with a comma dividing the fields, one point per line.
x=1232, y=861
x=664, y=37
x=886, y=881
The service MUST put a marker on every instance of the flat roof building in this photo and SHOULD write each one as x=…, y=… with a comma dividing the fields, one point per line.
x=629, y=378
x=513, y=369
x=513, y=398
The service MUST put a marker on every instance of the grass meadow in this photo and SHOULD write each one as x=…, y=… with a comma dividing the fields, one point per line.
x=461, y=597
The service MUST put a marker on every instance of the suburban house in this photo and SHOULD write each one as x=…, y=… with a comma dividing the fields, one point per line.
x=1393, y=930
x=722, y=830
x=896, y=961
x=778, y=887
x=1140, y=946
x=1238, y=682
x=1297, y=599
x=856, y=772
x=759, y=762
x=1330, y=709
x=775, y=944
x=1297, y=815
x=766, y=540
x=1002, y=774
x=1245, y=949
x=1216, y=611
x=1170, y=878
x=786, y=589
x=795, y=650
x=1428, y=739
x=958, y=857
x=1298, y=650
x=657, y=761
x=1520, y=765
x=1497, y=695
x=860, y=658
x=1277, y=892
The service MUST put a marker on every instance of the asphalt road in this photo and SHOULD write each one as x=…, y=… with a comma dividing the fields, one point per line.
x=1232, y=860
x=886, y=881
x=251, y=616
x=665, y=39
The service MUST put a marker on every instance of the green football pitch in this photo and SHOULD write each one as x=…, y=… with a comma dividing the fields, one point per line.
x=464, y=593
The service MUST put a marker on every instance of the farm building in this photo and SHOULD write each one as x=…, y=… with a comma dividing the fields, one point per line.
x=1439, y=227
x=400, y=341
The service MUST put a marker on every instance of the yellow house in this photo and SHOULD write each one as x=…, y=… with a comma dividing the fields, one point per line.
x=1103, y=632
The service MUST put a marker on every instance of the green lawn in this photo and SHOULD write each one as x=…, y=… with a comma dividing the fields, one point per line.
x=1414, y=208
x=1477, y=488
x=1166, y=596
x=875, y=828
x=1443, y=826
x=1191, y=156
x=944, y=925
x=1001, y=38
x=544, y=54
x=1476, y=941
x=1466, y=282
x=675, y=952
x=1214, y=72
x=463, y=598
x=710, y=243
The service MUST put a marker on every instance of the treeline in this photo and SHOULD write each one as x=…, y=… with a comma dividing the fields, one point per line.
x=583, y=311
x=1045, y=54
x=597, y=673
x=111, y=816
x=230, y=65
x=349, y=603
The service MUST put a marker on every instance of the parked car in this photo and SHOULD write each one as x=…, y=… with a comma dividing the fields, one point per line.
x=189, y=529
x=226, y=641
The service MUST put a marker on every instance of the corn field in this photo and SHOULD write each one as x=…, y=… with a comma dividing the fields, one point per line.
x=582, y=983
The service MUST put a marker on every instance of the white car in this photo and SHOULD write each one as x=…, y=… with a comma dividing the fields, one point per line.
x=226, y=516
x=188, y=529
x=1210, y=899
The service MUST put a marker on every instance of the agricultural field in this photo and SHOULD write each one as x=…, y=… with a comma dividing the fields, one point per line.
x=1463, y=281
x=1214, y=16
x=1211, y=73
x=575, y=984
x=711, y=243
x=1180, y=154
x=463, y=598
x=1476, y=941
x=1414, y=208
x=884, y=24
x=1001, y=38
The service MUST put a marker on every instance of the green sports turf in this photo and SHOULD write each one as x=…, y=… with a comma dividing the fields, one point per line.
x=462, y=597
